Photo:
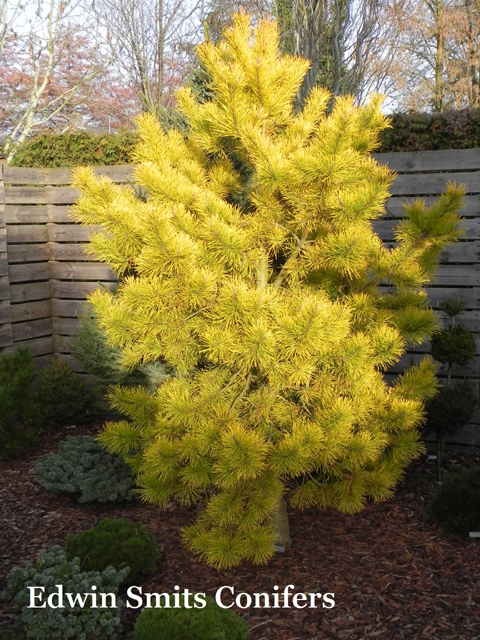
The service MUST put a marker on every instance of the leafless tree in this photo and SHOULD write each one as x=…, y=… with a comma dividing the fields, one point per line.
x=32, y=91
x=9, y=12
x=151, y=41
x=343, y=39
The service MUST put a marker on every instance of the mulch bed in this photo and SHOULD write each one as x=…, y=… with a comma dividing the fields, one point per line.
x=394, y=575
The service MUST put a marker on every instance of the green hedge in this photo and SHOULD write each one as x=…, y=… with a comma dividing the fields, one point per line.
x=75, y=148
x=409, y=132
x=432, y=131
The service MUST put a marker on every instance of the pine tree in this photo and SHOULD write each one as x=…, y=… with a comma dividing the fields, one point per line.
x=251, y=269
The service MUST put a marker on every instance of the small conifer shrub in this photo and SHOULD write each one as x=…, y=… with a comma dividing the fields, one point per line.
x=454, y=405
x=104, y=362
x=252, y=270
x=209, y=623
x=78, y=623
x=19, y=410
x=456, y=503
x=62, y=394
x=115, y=542
x=82, y=467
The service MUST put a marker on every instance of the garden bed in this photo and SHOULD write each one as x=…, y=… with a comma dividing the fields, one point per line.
x=394, y=575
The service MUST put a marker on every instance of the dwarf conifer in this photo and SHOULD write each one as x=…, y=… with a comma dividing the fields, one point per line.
x=252, y=271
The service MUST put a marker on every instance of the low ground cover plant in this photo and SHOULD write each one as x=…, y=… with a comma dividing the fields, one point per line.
x=76, y=623
x=62, y=395
x=32, y=399
x=209, y=623
x=19, y=408
x=83, y=468
x=456, y=504
x=118, y=543
x=252, y=270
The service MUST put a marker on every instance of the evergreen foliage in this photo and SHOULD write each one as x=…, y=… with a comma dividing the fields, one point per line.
x=118, y=543
x=83, y=468
x=209, y=623
x=62, y=394
x=455, y=345
x=50, y=569
x=451, y=409
x=456, y=504
x=454, y=405
x=75, y=148
x=456, y=129
x=103, y=362
x=253, y=271
x=18, y=406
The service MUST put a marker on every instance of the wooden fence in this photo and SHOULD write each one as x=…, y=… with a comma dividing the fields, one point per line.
x=45, y=273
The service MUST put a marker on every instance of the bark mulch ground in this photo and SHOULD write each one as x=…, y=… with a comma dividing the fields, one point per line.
x=394, y=575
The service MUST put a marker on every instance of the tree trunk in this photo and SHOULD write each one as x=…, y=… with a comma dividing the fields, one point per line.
x=439, y=57
x=283, y=540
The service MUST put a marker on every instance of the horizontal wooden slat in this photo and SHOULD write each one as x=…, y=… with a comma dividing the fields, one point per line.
x=38, y=346
x=78, y=290
x=27, y=233
x=5, y=313
x=28, y=292
x=5, y=336
x=3, y=241
x=4, y=291
x=460, y=252
x=443, y=160
x=470, y=370
x=385, y=228
x=28, y=253
x=48, y=251
x=24, y=175
x=68, y=308
x=71, y=252
x=60, y=213
x=437, y=294
x=81, y=271
x=53, y=176
x=29, y=272
x=32, y=329
x=394, y=206
x=41, y=195
x=30, y=214
x=18, y=214
x=69, y=232
x=3, y=265
x=61, y=344
x=433, y=183
x=65, y=326
x=31, y=310
x=458, y=276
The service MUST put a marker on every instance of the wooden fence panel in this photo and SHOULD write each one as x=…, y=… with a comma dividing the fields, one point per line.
x=46, y=272
x=459, y=273
x=6, y=338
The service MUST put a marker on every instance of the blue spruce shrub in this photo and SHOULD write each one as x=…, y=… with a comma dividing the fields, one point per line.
x=78, y=623
x=84, y=468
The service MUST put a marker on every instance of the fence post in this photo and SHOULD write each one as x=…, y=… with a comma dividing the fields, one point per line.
x=6, y=338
